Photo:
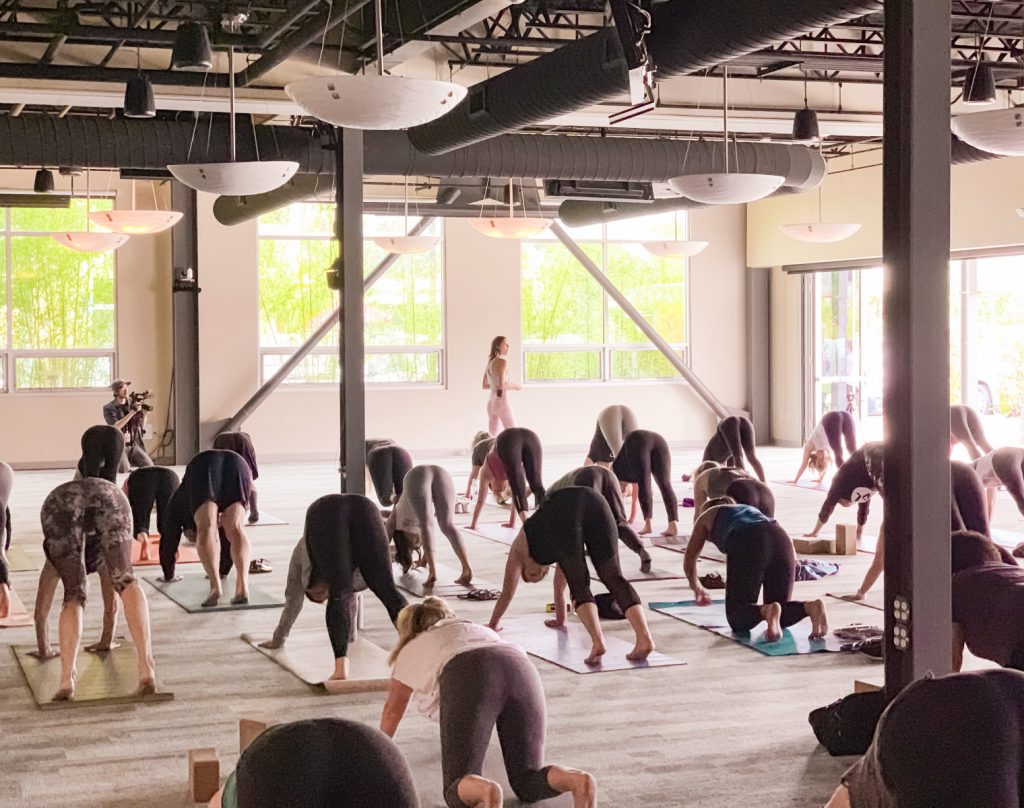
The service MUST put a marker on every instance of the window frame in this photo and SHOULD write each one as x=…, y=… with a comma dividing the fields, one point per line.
x=10, y=355
x=607, y=348
x=441, y=349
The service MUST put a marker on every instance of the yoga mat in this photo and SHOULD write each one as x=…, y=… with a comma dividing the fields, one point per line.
x=569, y=645
x=266, y=520
x=425, y=762
x=795, y=639
x=445, y=587
x=1006, y=538
x=20, y=560
x=677, y=544
x=495, y=532
x=192, y=590
x=18, y=617
x=809, y=485
x=863, y=603
x=630, y=564
x=107, y=678
x=307, y=655
x=187, y=554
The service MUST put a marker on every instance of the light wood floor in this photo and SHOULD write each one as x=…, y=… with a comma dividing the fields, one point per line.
x=728, y=729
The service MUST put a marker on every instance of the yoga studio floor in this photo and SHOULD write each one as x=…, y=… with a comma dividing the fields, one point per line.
x=729, y=728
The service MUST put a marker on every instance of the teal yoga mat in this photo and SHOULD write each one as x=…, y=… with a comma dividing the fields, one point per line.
x=795, y=639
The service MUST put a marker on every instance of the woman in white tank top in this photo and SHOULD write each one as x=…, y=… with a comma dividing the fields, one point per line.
x=499, y=409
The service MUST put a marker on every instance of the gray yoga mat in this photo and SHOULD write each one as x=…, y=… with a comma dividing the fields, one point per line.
x=445, y=586
x=190, y=592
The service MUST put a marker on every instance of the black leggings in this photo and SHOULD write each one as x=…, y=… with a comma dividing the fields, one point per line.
x=102, y=449
x=605, y=483
x=645, y=453
x=733, y=439
x=754, y=493
x=839, y=424
x=493, y=686
x=965, y=427
x=6, y=484
x=968, y=509
x=324, y=761
x=520, y=453
x=146, y=487
x=388, y=465
x=345, y=533
x=1008, y=464
x=760, y=555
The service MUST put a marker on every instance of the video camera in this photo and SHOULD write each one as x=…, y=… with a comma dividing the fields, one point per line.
x=140, y=399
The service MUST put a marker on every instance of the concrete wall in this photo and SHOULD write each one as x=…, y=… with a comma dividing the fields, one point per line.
x=482, y=287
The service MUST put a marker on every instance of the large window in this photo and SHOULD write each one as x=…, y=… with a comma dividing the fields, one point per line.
x=572, y=331
x=58, y=305
x=403, y=312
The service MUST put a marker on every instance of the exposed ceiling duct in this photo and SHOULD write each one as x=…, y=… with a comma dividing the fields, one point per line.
x=686, y=36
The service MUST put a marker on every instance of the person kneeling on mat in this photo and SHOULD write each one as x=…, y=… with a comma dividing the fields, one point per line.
x=825, y=445
x=82, y=518
x=758, y=554
x=947, y=742
x=428, y=493
x=572, y=524
x=465, y=675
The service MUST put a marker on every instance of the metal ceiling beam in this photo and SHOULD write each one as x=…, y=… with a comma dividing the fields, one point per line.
x=92, y=34
x=133, y=22
x=296, y=11
x=51, y=50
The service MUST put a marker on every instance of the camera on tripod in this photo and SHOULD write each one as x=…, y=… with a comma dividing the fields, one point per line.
x=140, y=399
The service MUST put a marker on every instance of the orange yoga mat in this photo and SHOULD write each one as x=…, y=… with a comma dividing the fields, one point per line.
x=18, y=616
x=186, y=554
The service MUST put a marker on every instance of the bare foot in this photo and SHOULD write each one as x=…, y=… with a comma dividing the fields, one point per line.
x=239, y=600
x=102, y=647
x=641, y=650
x=5, y=600
x=271, y=645
x=465, y=579
x=819, y=618
x=583, y=788
x=144, y=551
x=147, y=687
x=163, y=580
x=646, y=529
x=511, y=523
x=671, y=530
x=772, y=613
x=66, y=691
x=44, y=654
x=596, y=652
x=212, y=600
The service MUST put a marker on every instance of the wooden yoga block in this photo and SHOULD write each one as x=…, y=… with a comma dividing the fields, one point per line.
x=846, y=540
x=815, y=546
x=203, y=774
x=249, y=727
x=865, y=686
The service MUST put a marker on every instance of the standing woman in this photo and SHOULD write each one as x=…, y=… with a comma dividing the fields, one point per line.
x=345, y=537
x=465, y=675
x=758, y=555
x=572, y=524
x=733, y=440
x=241, y=443
x=428, y=494
x=217, y=483
x=614, y=423
x=826, y=443
x=499, y=409
x=645, y=454
x=515, y=460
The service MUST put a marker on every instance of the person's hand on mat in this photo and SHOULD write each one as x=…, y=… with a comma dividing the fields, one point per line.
x=272, y=644
x=494, y=625
x=813, y=534
x=102, y=647
x=701, y=596
x=5, y=600
x=858, y=595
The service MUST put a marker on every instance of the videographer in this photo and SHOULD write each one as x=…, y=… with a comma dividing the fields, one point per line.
x=130, y=417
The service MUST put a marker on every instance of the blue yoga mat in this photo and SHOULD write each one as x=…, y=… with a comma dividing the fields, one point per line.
x=795, y=639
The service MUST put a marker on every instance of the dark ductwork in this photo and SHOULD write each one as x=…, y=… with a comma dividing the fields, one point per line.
x=686, y=36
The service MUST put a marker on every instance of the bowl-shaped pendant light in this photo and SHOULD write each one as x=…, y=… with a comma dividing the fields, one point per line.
x=675, y=249
x=135, y=222
x=820, y=232
x=997, y=131
x=88, y=240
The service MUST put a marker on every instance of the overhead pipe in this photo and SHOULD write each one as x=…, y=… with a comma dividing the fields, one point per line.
x=686, y=36
x=314, y=339
x=709, y=398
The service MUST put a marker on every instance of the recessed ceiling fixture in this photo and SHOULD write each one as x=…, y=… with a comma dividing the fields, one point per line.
x=191, y=48
x=375, y=102
x=997, y=131
x=725, y=188
x=44, y=181
x=511, y=227
x=136, y=222
x=88, y=240
x=235, y=178
x=676, y=248
x=820, y=232
x=406, y=245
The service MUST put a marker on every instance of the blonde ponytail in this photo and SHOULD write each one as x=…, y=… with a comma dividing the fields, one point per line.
x=416, y=618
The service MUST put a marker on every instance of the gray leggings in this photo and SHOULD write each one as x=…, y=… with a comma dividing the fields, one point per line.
x=965, y=428
x=488, y=686
x=430, y=488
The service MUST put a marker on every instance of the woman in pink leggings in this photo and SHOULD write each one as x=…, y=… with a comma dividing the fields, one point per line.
x=499, y=409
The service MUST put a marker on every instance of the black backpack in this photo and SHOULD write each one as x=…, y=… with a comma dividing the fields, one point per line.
x=846, y=726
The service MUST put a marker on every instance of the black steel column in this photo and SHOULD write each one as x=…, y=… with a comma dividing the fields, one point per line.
x=185, y=311
x=349, y=231
x=915, y=248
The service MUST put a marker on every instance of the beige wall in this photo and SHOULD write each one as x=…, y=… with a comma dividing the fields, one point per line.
x=43, y=429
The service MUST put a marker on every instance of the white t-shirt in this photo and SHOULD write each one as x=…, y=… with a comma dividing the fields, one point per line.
x=989, y=478
x=818, y=438
x=420, y=663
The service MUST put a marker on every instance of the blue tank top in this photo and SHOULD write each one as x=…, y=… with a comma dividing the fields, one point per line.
x=734, y=517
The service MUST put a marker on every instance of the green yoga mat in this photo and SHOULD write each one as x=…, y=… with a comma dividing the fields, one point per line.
x=795, y=639
x=190, y=592
x=21, y=560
